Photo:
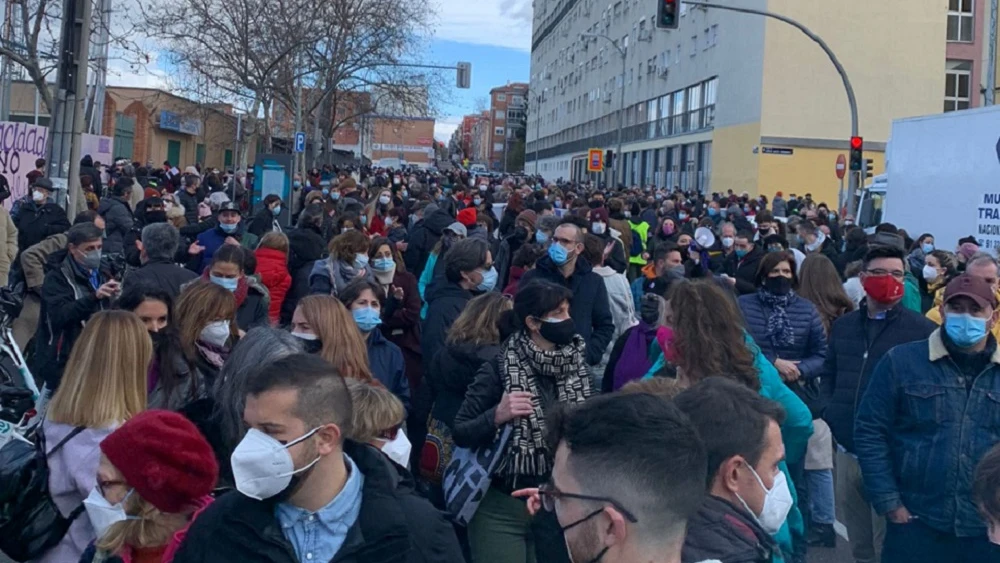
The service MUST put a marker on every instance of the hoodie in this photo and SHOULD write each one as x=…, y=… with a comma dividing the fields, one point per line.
x=423, y=237
x=622, y=311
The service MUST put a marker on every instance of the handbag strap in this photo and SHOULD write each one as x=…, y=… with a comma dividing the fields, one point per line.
x=68, y=437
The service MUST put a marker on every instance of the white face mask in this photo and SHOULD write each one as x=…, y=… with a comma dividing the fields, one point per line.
x=930, y=273
x=305, y=336
x=777, y=503
x=37, y=196
x=597, y=228
x=993, y=533
x=727, y=242
x=398, y=449
x=384, y=200
x=262, y=466
x=216, y=333
x=103, y=514
x=820, y=239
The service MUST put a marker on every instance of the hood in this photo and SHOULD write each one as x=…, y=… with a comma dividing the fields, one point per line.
x=106, y=204
x=446, y=290
x=87, y=162
x=438, y=221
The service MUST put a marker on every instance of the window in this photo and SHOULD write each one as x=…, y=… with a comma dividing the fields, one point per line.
x=500, y=114
x=713, y=33
x=694, y=107
x=957, y=85
x=694, y=45
x=709, y=92
x=708, y=39
x=960, y=20
x=501, y=97
x=498, y=131
x=679, y=114
x=497, y=147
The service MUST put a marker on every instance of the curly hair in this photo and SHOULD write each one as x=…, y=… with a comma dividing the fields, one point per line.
x=712, y=344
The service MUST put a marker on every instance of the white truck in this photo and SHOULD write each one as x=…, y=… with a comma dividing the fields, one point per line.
x=942, y=177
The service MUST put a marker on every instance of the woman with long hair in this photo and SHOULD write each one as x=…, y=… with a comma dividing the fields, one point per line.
x=104, y=385
x=940, y=267
x=921, y=247
x=819, y=283
x=228, y=270
x=716, y=343
x=401, y=313
x=206, y=328
x=542, y=364
x=348, y=260
x=377, y=211
x=326, y=328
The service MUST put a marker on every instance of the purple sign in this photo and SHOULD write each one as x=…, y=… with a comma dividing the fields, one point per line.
x=20, y=145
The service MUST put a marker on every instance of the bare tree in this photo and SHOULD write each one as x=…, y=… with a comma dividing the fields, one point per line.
x=36, y=27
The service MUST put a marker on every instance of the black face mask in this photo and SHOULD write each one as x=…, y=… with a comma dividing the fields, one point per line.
x=779, y=285
x=158, y=338
x=595, y=203
x=560, y=333
x=311, y=346
x=156, y=217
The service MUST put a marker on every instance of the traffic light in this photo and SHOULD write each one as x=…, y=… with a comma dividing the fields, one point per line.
x=667, y=16
x=463, y=75
x=857, y=153
x=869, y=168
x=609, y=159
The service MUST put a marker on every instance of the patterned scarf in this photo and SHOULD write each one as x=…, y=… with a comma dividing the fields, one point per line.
x=341, y=274
x=523, y=362
x=779, y=328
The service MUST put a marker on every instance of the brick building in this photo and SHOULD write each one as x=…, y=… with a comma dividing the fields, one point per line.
x=508, y=107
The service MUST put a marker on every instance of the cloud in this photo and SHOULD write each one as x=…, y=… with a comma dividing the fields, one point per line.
x=445, y=126
x=503, y=23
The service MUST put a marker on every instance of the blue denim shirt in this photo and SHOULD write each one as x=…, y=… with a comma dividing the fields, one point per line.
x=920, y=432
x=318, y=536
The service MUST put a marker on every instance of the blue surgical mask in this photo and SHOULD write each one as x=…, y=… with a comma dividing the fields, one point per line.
x=229, y=228
x=927, y=247
x=558, y=254
x=557, y=204
x=326, y=191
x=335, y=196
x=297, y=184
x=489, y=280
x=541, y=238
x=227, y=283
x=740, y=253
x=477, y=201
x=360, y=260
x=964, y=330
x=682, y=216
x=364, y=219
x=383, y=264
x=276, y=211
x=712, y=212
x=367, y=318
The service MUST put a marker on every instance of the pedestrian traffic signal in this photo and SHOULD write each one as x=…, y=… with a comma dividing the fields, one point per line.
x=869, y=168
x=857, y=153
x=666, y=14
x=609, y=158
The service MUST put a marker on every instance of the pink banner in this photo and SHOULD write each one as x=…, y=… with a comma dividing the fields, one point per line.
x=20, y=145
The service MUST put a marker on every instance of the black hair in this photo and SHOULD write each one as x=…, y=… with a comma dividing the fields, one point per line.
x=311, y=217
x=745, y=234
x=465, y=255
x=134, y=295
x=82, y=233
x=640, y=451
x=541, y=205
x=887, y=228
x=536, y=299
x=354, y=290
x=772, y=259
x=663, y=249
x=271, y=198
x=230, y=254
x=88, y=216
x=731, y=419
x=322, y=398
x=880, y=251
x=776, y=239
x=527, y=255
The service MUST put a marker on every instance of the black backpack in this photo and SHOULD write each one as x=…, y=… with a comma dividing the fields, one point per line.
x=30, y=522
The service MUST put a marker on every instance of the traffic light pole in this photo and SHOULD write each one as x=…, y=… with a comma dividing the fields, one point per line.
x=853, y=176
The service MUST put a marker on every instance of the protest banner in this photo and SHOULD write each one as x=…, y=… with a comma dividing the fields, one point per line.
x=20, y=145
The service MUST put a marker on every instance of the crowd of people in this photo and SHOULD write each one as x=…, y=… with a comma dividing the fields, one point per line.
x=403, y=365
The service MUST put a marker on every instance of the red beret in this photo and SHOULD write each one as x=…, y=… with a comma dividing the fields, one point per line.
x=467, y=217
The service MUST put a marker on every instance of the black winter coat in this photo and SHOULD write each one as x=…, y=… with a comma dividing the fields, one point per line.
x=857, y=343
x=190, y=203
x=36, y=223
x=305, y=246
x=445, y=303
x=423, y=237
x=720, y=530
x=590, y=307
x=164, y=275
x=744, y=270
x=118, y=219
x=253, y=311
x=452, y=370
x=263, y=223
x=394, y=526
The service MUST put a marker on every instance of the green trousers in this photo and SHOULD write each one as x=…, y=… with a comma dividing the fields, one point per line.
x=500, y=531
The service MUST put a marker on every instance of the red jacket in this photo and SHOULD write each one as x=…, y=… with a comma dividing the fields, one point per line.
x=376, y=225
x=272, y=266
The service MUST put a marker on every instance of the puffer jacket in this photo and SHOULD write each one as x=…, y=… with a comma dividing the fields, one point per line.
x=118, y=219
x=622, y=311
x=725, y=532
x=809, y=340
x=272, y=267
x=451, y=372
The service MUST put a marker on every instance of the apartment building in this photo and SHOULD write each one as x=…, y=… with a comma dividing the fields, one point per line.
x=728, y=100
x=508, y=111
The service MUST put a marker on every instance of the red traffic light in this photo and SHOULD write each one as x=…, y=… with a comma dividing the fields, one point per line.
x=857, y=143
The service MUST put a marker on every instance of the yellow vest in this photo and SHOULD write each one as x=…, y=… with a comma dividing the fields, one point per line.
x=642, y=229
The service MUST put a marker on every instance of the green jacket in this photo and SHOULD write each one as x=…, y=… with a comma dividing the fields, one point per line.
x=642, y=229
x=911, y=293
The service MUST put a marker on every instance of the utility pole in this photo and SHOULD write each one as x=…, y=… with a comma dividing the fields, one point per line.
x=991, y=69
x=538, y=126
x=853, y=177
x=621, y=103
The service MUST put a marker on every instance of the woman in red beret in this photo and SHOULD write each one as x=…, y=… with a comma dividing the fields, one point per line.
x=155, y=475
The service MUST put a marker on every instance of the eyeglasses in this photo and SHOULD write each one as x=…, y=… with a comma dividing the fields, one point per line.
x=548, y=493
x=898, y=274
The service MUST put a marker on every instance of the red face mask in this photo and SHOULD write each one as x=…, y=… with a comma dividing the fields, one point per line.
x=883, y=289
x=665, y=337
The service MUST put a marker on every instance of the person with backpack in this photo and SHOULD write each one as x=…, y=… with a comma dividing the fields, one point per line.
x=103, y=386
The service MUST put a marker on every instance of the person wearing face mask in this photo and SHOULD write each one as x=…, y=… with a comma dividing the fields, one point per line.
x=401, y=313
x=348, y=260
x=614, y=250
x=76, y=286
x=326, y=328
x=228, y=231
x=364, y=300
x=306, y=491
x=748, y=496
x=620, y=299
x=377, y=210
x=940, y=267
x=857, y=343
x=524, y=232
x=744, y=262
x=156, y=472
x=228, y=270
x=207, y=329
x=104, y=386
x=378, y=419
x=266, y=220
x=40, y=217
x=921, y=247
x=157, y=249
x=727, y=242
x=814, y=240
x=906, y=442
x=117, y=215
x=540, y=365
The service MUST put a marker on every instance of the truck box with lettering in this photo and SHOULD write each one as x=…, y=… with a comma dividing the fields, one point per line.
x=944, y=177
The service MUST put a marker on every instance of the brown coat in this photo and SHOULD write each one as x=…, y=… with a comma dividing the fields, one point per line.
x=8, y=238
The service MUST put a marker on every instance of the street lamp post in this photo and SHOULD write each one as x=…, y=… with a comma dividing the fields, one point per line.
x=538, y=125
x=621, y=104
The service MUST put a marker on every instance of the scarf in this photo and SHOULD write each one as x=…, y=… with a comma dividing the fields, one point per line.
x=242, y=288
x=779, y=328
x=385, y=277
x=634, y=360
x=213, y=354
x=341, y=274
x=522, y=364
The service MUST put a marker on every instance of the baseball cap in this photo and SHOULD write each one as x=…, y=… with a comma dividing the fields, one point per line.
x=44, y=183
x=973, y=287
x=458, y=228
x=229, y=206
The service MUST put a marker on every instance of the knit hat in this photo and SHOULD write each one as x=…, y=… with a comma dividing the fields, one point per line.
x=164, y=458
x=467, y=216
x=528, y=216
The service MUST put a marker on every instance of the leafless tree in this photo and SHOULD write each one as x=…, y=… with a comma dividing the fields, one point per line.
x=36, y=26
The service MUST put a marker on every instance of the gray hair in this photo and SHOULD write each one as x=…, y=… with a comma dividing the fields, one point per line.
x=160, y=240
x=548, y=223
x=464, y=256
x=982, y=259
x=260, y=347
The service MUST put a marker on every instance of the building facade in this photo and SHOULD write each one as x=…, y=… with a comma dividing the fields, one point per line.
x=508, y=111
x=728, y=100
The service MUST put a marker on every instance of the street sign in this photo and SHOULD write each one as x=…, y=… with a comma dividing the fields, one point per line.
x=300, y=142
x=841, y=166
x=595, y=158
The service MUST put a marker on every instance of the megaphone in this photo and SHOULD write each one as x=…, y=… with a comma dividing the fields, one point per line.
x=704, y=237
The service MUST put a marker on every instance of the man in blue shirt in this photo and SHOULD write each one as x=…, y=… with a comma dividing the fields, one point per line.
x=304, y=493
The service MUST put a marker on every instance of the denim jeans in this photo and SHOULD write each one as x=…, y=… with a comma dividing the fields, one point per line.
x=821, y=503
x=918, y=543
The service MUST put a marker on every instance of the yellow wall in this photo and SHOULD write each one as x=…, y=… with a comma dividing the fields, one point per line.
x=734, y=166
x=893, y=51
x=807, y=171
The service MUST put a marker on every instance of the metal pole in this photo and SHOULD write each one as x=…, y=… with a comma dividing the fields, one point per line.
x=615, y=167
x=991, y=70
x=853, y=178
x=538, y=128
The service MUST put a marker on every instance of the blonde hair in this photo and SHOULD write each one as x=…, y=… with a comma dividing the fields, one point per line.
x=104, y=383
x=479, y=323
x=663, y=387
x=376, y=410
x=152, y=528
x=201, y=303
x=275, y=241
x=343, y=344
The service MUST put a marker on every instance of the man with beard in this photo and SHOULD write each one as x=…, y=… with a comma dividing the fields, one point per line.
x=305, y=492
